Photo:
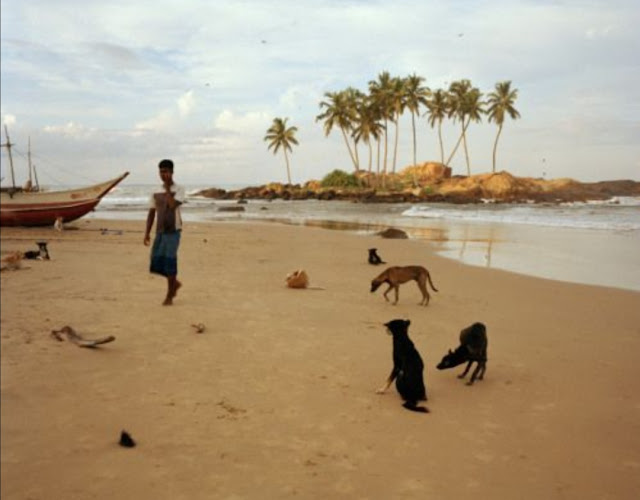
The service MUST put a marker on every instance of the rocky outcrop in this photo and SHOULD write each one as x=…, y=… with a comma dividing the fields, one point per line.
x=393, y=233
x=432, y=182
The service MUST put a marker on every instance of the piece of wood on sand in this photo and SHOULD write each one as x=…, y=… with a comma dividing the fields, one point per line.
x=78, y=339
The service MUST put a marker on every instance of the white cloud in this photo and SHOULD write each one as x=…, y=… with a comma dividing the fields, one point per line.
x=70, y=129
x=252, y=121
x=186, y=104
x=171, y=118
x=8, y=119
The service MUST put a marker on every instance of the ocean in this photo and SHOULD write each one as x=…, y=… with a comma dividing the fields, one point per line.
x=592, y=243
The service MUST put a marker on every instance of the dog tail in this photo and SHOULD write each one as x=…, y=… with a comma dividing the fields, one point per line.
x=431, y=282
x=411, y=405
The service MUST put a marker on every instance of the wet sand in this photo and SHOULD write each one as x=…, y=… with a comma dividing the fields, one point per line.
x=276, y=398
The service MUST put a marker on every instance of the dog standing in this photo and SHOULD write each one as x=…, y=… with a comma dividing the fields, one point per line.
x=473, y=347
x=395, y=276
x=374, y=258
x=407, y=367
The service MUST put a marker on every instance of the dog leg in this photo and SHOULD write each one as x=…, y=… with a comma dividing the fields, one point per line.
x=397, y=290
x=475, y=374
x=386, y=292
x=484, y=368
x=388, y=383
x=425, y=293
x=464, y=373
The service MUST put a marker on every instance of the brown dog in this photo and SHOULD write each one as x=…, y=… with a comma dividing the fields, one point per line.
x=12, y=262
x=396, y=276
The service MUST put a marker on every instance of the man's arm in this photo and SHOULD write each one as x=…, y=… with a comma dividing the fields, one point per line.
x=172, y=201
x=150, y=218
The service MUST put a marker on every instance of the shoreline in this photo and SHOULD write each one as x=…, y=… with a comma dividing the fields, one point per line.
x=574, y=255
x=276, y=399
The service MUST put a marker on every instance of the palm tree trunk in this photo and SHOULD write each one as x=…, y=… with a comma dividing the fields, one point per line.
x=378, y=162
x=495, y=147
x=355, y=149
x=454, y=150
x=395, y=147
x=441, y=143
x=286, y=157
x=386, y=146
x=466, y=151
x=413, y=126
x=346, y=141
x=464, y=128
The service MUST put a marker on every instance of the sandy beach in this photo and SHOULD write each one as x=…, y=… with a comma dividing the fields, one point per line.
x=276, y=398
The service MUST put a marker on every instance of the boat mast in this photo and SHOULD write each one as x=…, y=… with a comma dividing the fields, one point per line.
x=29, y=160
x=8, y=146
x=35, y=175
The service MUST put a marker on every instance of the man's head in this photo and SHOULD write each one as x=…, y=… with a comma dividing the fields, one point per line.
x=166, y=170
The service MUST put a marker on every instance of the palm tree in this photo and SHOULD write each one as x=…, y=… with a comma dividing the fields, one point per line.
x=473, y=109
x=466, y=106
x=278, y=135
x=380, y=92
x=398, y=104
x=338, y=112
x=353, y=100
x=438, y=109
x=366, y=126
x=500, y=104
x=416, y=96
x=456, y=95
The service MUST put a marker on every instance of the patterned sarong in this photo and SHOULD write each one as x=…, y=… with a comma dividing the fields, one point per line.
x=164, y=254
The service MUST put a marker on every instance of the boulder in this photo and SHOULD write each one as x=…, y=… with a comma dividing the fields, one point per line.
x=393, y=233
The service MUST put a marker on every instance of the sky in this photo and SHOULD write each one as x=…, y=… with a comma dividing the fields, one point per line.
x=100, y=88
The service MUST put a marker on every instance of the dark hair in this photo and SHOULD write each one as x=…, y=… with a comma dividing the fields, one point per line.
x=166, y=165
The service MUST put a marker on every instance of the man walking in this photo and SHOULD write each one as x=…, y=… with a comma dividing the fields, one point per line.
x=165, y=203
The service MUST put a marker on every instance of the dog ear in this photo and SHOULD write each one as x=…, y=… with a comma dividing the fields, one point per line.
x=407, y=322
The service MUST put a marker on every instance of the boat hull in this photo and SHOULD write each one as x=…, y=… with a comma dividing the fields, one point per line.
x=44, y=208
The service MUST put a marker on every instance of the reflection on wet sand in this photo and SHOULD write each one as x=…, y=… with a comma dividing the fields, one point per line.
x=443, y=238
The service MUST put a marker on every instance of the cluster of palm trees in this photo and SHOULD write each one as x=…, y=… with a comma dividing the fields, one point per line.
x=367, y=117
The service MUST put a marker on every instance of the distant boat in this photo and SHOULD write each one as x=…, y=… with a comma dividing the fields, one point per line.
x=30, y=206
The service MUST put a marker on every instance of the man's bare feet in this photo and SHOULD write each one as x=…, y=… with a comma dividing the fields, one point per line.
x=168, y=301
x=176, y=288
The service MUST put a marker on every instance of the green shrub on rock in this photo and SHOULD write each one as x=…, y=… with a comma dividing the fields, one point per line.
x=340, y=178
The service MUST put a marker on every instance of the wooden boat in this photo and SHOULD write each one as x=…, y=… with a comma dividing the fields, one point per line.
x=33, y=207
x=43, y=208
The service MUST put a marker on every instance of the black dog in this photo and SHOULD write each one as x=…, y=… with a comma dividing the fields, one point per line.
x=41, y=254
x=473, y=347
x=374, y=258
x=407, y=367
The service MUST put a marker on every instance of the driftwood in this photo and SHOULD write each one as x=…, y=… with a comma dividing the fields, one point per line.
x=78, y=339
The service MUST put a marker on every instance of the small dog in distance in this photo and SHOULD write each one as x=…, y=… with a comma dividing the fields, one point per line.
x=41, y=254
x=374, y=258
